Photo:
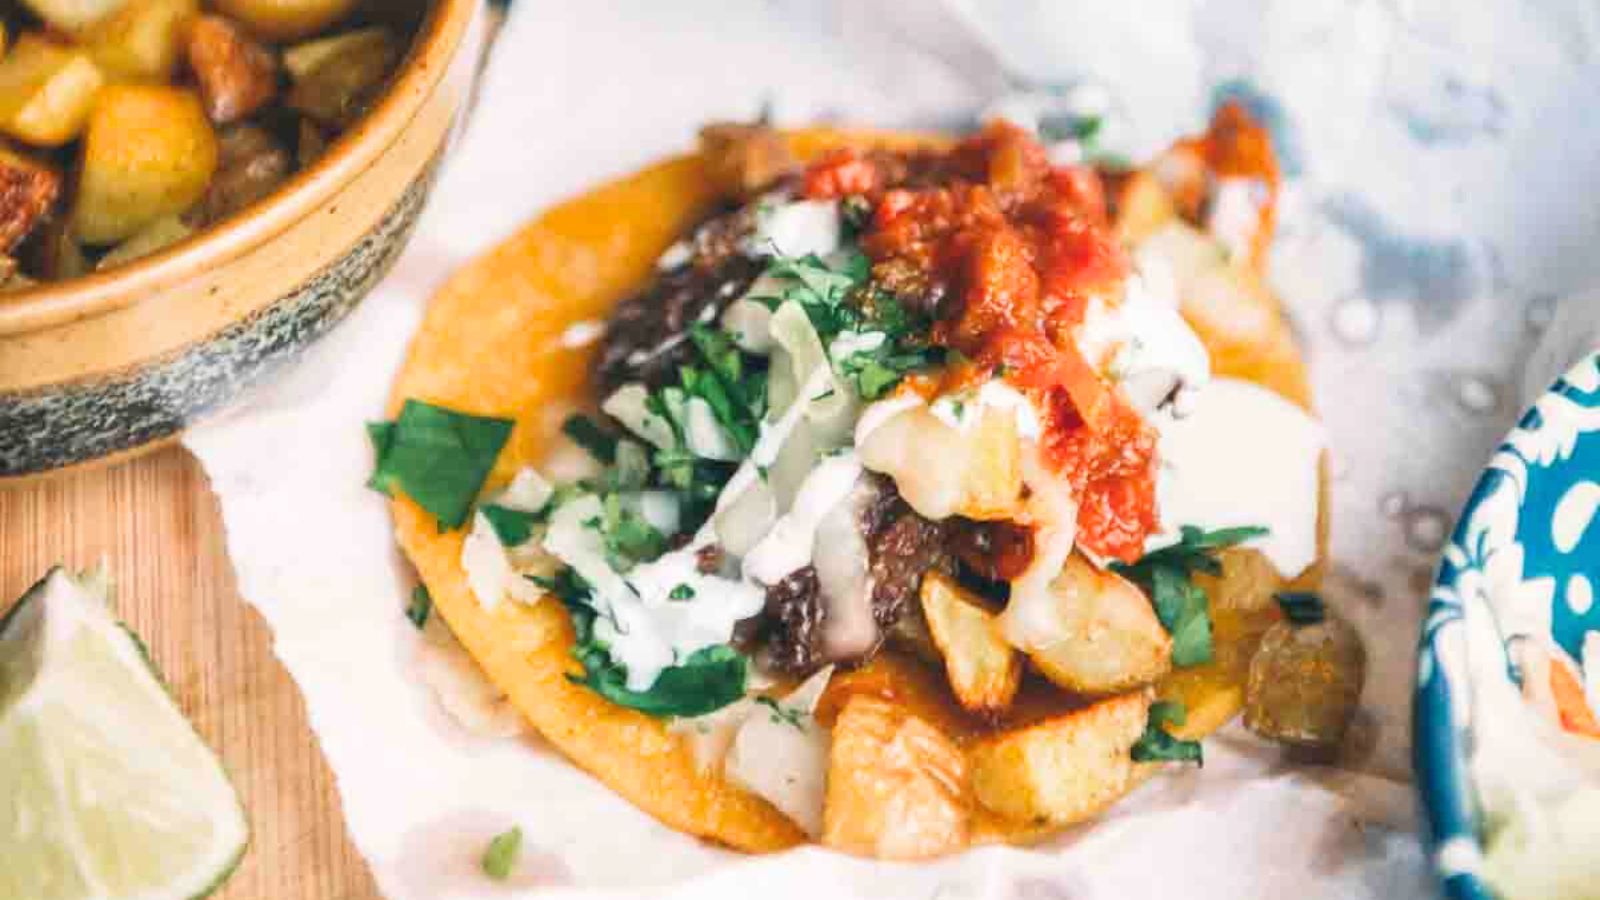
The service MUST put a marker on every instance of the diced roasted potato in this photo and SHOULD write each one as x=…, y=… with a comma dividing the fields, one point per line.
x=27, y=190
x=158, y=235
x=46, y=91
x=1064, y=769
x=335, y=78
x=149, y=152
x=943, y=470
x=1112, y=638
x=1305, y=683
x=897, y=787
x=741, y=159
x=72, y=16
x=286, y=20
x=1241, y=612
x=236, y=74
x=984, y=670
x=141, y=41
x=251, y=164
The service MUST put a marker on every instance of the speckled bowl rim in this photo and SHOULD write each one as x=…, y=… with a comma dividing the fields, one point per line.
x=1444, y=781
x=438, y=39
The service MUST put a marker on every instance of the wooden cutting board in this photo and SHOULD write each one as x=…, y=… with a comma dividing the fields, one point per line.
x=157, y=525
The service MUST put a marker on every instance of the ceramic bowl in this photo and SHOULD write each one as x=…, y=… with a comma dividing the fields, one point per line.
x=1510, y=608
x=105, y=365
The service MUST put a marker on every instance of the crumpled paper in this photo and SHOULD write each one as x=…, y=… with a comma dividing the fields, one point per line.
x=1441, y=196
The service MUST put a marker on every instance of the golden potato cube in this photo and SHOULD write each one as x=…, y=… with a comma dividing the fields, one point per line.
x=286, y=20
x=897, y=787
x=143, y=40
x=1064, y=769
x=73, y=16
x=1242, y=610
x=1112, y=638
x=1305, y=683
x=742, y=159
x=149, y=152
x=984, y=670
x=46, y=91
x=236, y=74
x=27, y=191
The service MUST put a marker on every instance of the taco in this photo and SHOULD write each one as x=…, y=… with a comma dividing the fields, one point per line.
x=894, y=492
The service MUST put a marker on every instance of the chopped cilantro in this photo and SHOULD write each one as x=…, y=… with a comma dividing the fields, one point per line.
x=1157, y=744
x=782, y=715
x=681, y=592
x=708, y=680
x=437, y=456
x=588, y=434
x=628, y=538
x=420, y=607
x=1301, y=607
x=501, y=855
x=1166, y=575
x=512, y=526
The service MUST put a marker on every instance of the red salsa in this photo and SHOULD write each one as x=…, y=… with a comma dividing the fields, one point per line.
x=1006, y=250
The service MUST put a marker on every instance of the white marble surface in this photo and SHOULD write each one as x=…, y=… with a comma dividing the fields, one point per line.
x=1441, y=198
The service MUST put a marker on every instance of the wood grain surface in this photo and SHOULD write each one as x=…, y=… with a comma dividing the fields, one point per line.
x=157, y=525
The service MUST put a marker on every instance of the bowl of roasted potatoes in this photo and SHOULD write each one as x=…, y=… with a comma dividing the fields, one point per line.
x=192, y=191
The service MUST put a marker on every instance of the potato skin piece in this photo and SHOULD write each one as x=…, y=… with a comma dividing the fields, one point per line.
x=236, y=74
x=27, y=191
x=143, y=40
x=1064, y=769
x=149, y=152
x=897, y=786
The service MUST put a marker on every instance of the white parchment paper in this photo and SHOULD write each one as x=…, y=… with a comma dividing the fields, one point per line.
x=1437, y=206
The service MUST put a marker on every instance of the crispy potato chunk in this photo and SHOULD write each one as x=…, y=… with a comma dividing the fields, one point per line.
x=46, y=91
x=1242, y=610
x=743, y=159
x=1063, y=769
x=141, y=41
x=27, y=190
x=1113, y=639
x=942, y=470
x=336, y=78
x=72, y=16
x=897, y=787
x=984, y=670
x=149, y=152
x=236, y=74
x=286, y=20
x=1305, y=683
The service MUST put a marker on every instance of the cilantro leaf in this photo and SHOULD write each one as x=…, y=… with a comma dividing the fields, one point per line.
x=628, y=538
x=420, y=607
x=502, y=854
x=437, y=456
x=1301, y=607
x=588, y=434
x=512, y=526
x=1166, y=576
x=1157, y=744
x=708, y=680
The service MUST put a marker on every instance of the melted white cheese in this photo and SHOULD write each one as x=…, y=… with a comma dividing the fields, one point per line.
x=1143, y=343
x=645, y=630
x=800, y=228
x=1243, y=456
x=780, y=753
x=790, y=544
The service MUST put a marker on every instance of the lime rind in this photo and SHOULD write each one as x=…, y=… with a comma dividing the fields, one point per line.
x=115, y=795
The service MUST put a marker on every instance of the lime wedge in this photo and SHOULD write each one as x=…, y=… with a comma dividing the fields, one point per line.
x=106, y=791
